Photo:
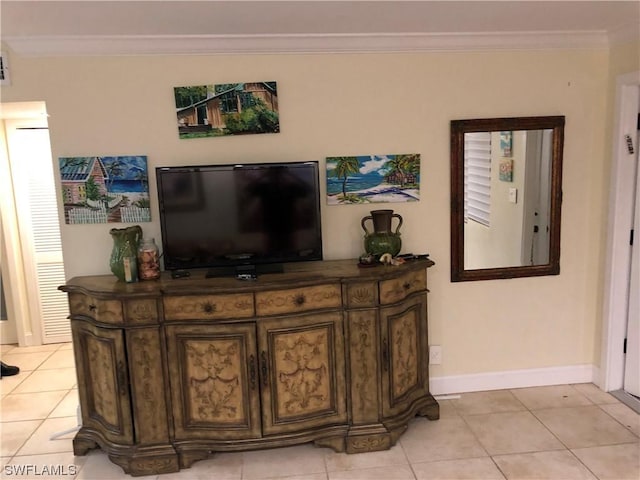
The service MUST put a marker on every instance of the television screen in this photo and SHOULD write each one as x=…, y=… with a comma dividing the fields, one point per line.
x=239, y=215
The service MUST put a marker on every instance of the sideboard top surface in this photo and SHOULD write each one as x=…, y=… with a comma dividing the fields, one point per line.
x=295, y=274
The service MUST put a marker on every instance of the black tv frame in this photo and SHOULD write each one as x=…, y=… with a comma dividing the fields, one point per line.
x=243, y=266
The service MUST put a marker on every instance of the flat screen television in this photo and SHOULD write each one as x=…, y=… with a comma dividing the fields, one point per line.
x=239, y=219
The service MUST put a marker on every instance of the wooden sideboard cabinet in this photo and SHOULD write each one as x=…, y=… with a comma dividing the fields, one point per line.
x=174, y=369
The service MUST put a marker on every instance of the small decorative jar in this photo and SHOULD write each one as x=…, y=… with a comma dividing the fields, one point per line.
x=148, y=260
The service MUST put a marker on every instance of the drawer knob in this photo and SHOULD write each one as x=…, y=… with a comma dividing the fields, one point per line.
x=406, y=285
x=209, y=307
x=92, y=308
x=299, y=300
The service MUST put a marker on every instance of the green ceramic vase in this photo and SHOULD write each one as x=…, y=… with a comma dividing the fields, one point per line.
x=125, y=246
x=382, y=239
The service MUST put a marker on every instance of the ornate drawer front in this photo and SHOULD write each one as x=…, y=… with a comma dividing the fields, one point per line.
x=105, y=311
x=396, y=289
x=140, y=312
x=298, y=299
x=362, y=294
x=208, y=307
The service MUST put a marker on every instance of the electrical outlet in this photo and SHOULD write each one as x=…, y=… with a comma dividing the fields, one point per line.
x=435, y=355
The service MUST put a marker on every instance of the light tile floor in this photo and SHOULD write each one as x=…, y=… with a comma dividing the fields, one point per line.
x=558, y=432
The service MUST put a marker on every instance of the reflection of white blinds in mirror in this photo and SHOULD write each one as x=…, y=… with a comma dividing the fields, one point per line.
x=477, y=177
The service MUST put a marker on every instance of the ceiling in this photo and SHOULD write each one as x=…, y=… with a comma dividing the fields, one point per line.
x=126, y=27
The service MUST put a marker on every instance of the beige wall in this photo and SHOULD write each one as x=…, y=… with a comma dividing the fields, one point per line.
x=369, y=104
x=624, y=58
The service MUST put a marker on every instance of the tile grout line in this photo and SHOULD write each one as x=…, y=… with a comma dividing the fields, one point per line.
x=592, y=403
x=531, y=412
x=25, y=442
x=399, y=443
x=48, y=416
x=463, y=417
x=583, y=464
x=614, y=418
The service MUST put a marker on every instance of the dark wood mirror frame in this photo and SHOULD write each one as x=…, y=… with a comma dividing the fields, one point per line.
x=458, y=130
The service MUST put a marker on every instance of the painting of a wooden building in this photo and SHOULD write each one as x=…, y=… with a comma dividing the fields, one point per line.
x=400, y=178
x=75, y=172
x=227, y=109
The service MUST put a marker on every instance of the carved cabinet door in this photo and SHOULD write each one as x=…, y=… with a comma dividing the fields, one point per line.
x=214, y=381
x=302, y=372
x=404, y=351
x=103, y=380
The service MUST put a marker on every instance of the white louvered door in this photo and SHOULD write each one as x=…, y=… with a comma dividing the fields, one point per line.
x=36, y=204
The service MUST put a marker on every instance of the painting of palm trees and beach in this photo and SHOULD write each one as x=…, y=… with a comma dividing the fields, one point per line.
x=105, y=189
x=373, y=179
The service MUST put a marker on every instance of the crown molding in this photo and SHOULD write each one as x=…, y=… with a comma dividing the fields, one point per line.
x=628, y=33
x=289, y=44
x=276, y=44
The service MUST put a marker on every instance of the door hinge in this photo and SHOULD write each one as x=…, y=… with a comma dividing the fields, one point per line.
x=4, y=69
x=624, y=346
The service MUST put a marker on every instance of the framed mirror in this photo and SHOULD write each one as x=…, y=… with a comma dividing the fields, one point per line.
x=506, y=196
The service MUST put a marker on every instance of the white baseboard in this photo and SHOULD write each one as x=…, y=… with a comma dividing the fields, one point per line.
x=533, y=377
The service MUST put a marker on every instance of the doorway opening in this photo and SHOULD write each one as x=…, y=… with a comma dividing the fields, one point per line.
x=31, y=248
x=620, y=362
